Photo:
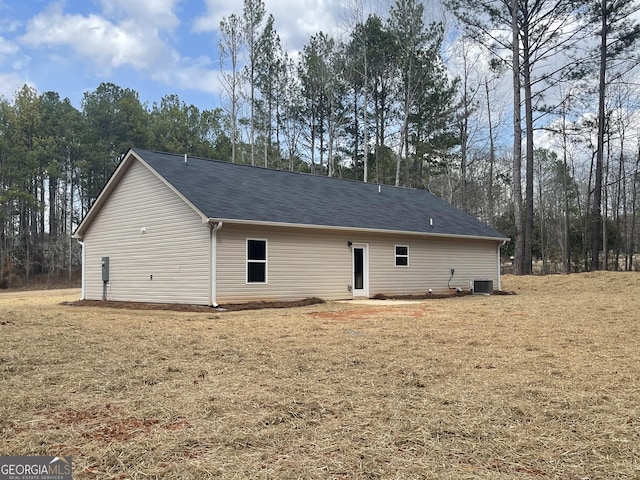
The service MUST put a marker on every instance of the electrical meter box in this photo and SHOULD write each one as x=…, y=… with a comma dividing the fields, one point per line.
x=105, y=269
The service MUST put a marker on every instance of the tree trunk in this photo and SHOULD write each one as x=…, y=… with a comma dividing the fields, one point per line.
x=543, y=233
x=252, y=99
x=518, y=265
x=313, y=144
x=365, y=120
x=567, y=216
x=403, y=133
x=330, y=128
x=619, y=203
x=596, y=225
x=528, y=216
x=356, y=137
x=70, y=214
x=53, y=211
x=492, y=160
x=634, y=198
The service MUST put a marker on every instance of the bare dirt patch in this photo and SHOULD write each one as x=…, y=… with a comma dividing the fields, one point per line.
x=363, y=313
x=542, y=384
x=177, y=307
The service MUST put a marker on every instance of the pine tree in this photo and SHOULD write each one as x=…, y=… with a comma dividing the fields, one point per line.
x=618, y=32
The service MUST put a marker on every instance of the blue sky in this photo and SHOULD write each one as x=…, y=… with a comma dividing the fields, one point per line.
x=156, y=47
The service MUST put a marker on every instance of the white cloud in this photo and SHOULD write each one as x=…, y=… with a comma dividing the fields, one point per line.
x=215, y=11
x=93, y=38
x=126, y=34
x=10, y=83
x=12, y=79
x=198, y=77
x=7, y=48
x=9, y=26
x=157, y=13
x=295, y=21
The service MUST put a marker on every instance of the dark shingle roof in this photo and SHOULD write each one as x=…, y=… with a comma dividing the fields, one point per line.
x=227, y=191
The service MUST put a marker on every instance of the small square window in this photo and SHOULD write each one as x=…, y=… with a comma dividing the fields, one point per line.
x=402, y=256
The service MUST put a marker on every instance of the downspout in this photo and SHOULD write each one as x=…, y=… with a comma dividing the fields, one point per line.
x=214, y=225
x=84, y=262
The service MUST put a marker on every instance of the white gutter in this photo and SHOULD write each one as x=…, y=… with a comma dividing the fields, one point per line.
x=214, y=225
x=355, y=229
x=84, y=262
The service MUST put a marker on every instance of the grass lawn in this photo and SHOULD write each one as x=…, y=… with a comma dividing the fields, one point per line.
x=542, y=384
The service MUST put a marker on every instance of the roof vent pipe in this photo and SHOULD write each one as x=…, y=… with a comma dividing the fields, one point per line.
x=185, y=158
x=431, y=222
x=379, y=189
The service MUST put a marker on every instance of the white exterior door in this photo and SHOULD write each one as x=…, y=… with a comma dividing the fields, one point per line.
x=360, y=264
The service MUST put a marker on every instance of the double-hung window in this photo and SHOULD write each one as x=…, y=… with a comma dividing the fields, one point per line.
x=256, y=261
x=402, y=255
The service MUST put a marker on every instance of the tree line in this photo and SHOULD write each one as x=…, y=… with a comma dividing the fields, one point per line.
x=565, y=56
x=397, y=99
x=55, y=159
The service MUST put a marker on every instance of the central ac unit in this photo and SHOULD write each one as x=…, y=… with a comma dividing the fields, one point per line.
x=483, y=287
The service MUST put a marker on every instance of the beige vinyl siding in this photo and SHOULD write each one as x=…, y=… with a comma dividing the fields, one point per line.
x=317, y=263
x=430, y=264
x=174, y=248
x=301, y=263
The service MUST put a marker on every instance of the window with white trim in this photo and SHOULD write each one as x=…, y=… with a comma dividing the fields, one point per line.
x=256, y=261
x=402, y=255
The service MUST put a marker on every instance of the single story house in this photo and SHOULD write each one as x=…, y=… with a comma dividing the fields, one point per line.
x=175, y=229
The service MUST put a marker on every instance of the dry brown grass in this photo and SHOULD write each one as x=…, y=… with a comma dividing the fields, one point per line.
x=543, y=384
